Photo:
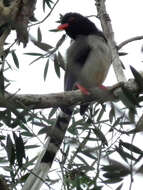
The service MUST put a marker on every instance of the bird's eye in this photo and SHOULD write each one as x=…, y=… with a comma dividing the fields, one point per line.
x=71, y=19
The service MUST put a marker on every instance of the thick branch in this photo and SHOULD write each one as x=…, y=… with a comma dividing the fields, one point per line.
x=33, y=101
x=108, y=31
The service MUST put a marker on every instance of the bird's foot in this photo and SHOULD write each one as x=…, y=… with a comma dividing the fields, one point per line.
x=82, y=89
x=103, y=87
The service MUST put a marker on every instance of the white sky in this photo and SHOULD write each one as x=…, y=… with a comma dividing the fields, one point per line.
x=127, y=21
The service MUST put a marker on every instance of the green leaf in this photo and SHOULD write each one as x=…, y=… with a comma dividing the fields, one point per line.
x=44, y=5
x=31, y=146
x=52, y=112
x=101, y=113
x=20, y=149
x=116, y=174
x=33, y=54
x=24, y=178
x=119, y=187
x=113, y=180
x=46, y=69
x=61, y=40
x=85, y=162
x=117, y=122
x=24, y=127
x=54, y=30
x=15, y=59
x=49, y=2
x=2, y=137
x=131, y=97
x=56, y=66
x=131, y=147
x=111, y=113
x=100, y=135
x=3, y=160
x=124, y=154
x=88, y=154
x=1, y=82
x=30, y=162
x=72, y=130
x=42, y=45
x=66, y=153
x=138, y=77
x=39, y=35
x=128, y=99
x=10, y=150
x=27, y=134
x=61, y=61
x=43, y=131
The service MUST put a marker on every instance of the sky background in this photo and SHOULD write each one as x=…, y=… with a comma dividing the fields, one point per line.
x=126, y=17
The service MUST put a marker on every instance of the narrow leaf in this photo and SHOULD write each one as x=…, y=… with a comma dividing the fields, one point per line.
x=56, y=66
x=113, y=180
x=54, y=30
x=46, y=69
x=101, y=113
x=138, y=77
x=15, y=59
x=61, y=40
x=52, y=112
x=34, y=54
x=27, y=134
x=119, y=187
x=20, y=150
x=100, y=135
x=124, y=154
x=43, y=131
x=131, y=147
x=131, y=97
x=123, y=96
x=1, y=82
x=39, y=35
x=111, y=113
x=48, y=2
x=31, y=146
x=61, y=61
x=88, y=154
x=42, y=45
x=10, y=150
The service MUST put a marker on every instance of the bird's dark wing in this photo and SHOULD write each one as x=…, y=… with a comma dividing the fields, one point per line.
x=77, y=55
x=69, y=82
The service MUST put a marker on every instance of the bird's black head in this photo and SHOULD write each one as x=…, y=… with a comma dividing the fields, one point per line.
x=75, y=24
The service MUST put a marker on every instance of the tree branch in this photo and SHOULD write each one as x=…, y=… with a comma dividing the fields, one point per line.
x=129, y=40
x=108, y=31
x=15, y=15
x=37, y=101
x=51, y=10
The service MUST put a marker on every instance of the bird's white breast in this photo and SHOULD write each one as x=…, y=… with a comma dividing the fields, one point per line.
x=97, y=64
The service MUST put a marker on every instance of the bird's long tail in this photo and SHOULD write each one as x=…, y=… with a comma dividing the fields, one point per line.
x=52, y=145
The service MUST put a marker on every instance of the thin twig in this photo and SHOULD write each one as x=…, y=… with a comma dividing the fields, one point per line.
x=129, y=40
x=46, y=15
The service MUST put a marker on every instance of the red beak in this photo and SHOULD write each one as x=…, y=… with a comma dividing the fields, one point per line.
x=63, y=26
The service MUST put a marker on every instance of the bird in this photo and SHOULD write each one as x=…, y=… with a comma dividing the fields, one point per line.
x=88, y=59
